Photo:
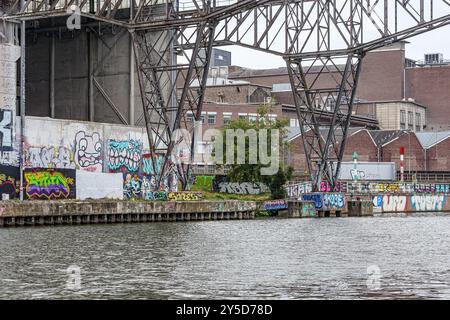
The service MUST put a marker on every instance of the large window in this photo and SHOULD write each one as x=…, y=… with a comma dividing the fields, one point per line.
x=242, y=116
x=202, y=118
x=227, y=117
x=418, y=122
x=211, y=118
x=252, y=117
x=402, y=119
x=410, y=120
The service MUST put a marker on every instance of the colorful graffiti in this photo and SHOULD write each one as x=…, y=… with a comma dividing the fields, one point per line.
x=49, y=157
x=152, y=164
x=155, y=196
x=327, y=201
x=124, y=155
x=88, y=151
x=184, y=196
x=308, y=210
x=334, y=201
x=428, y=202
x=296, y=190
x=50, y=184
x=275, y=205
x=132, y=187
x=9, y=181
x=243, y=188
x=314, y=197
x=410, y=203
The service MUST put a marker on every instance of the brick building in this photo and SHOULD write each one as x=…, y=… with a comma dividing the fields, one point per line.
x=426, y=153
x=386, y=76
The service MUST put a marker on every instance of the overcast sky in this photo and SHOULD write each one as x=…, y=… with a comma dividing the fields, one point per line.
x=436, y=41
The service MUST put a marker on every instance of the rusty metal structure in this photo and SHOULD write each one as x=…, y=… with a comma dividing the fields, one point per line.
x=316, y=38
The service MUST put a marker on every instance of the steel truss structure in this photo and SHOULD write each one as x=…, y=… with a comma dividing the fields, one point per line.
x=319, y=39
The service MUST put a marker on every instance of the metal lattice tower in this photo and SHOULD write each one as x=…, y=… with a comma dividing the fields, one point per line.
x=316, y=38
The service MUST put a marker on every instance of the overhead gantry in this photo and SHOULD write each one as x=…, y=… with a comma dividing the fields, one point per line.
x=318, y=39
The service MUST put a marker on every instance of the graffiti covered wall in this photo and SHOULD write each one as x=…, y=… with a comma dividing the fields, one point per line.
x=366, y=188
x=327, y=201
x=97, y=155
x=50, y=184
x=411, y=203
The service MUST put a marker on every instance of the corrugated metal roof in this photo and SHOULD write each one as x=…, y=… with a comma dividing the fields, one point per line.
x=430, y=139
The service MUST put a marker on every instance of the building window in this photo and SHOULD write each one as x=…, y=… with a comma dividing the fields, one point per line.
x=272, y=117
x=211, y=118
x=252, y=117
x=189, y=116
x=202, y=118
x=242, y=116
x=226, y=118
x=410, y=120
x=294, y=123
x=418, y=122
x=402, y=119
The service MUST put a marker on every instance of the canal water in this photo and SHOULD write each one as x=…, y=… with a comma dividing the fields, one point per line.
x=370, y=258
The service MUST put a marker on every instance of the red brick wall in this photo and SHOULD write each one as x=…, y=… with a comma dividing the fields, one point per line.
x=362, y=143
x=382, y=76
x=430, y=86
x=414, y=153
x=438, y=157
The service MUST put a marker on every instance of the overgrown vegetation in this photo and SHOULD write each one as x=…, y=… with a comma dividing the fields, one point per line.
x=252, y=172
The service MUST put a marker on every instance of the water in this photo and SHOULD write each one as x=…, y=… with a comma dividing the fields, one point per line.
x=260, y=259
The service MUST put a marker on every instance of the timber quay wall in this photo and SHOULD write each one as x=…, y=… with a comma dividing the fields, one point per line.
x=34, y=213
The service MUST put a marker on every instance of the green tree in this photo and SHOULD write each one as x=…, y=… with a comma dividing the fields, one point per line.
x=252, y=172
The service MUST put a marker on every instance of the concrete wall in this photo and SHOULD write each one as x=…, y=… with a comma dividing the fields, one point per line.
x=60, y=155
x=109, y=54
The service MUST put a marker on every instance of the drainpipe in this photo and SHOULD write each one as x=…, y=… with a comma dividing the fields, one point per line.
x=22, y=100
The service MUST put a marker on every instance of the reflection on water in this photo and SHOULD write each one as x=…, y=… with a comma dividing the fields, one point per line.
x=260, y=259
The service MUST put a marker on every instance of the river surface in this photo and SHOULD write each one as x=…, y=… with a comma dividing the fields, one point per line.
x=348, y=258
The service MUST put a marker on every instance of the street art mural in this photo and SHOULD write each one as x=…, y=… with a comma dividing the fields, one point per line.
x=49, y=157
x=88, y=151
x=6, y=130
x=132, y=186
x=152, y=164
x=243, y=188
x=45, y=184
x=275, y=205
x=9, y=181
x=124, y=155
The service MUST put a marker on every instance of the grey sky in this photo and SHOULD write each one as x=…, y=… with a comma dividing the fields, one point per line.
x=436, y=41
